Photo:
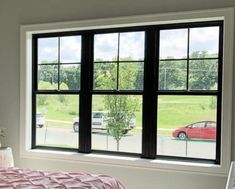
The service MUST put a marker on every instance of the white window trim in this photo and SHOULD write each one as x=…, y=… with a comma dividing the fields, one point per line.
x=26, y=31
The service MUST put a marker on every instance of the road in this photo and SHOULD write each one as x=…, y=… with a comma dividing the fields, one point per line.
x=66, y=137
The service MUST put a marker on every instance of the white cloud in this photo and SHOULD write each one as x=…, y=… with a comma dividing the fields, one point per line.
x=70, y=49
x=105, y=46
x=173, y=43
x=48, y=49
x=132, y=45
x=204, y=39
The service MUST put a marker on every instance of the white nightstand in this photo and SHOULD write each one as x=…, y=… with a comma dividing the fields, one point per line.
x=6, y=157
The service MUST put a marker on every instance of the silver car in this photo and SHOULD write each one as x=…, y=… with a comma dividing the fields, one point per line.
x=99, y=122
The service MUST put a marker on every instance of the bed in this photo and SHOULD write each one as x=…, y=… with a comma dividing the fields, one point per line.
x=16, y=178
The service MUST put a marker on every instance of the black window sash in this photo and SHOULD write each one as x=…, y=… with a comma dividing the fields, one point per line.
x=150, y=92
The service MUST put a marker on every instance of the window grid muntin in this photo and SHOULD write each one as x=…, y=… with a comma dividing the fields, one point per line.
x=58, y=64
x=187, y=75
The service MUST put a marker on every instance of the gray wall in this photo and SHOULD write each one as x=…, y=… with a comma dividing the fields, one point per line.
x=14, y=13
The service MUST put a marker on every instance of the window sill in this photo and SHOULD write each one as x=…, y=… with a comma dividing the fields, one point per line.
x=125, y=161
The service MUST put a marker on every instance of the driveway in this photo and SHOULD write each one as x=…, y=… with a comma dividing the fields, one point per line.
x=66, y=137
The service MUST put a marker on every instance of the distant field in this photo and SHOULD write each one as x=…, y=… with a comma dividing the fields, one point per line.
x=173, y=111
x=178, y=111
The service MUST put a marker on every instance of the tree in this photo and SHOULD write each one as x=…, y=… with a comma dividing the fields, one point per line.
x=172, y=75
x=202, y=72
x=48, y=73
x=121, y=110
x=104, y=76
x=69, y=74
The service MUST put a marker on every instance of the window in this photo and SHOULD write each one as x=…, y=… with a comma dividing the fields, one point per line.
x=198, y=125
x=188, y=91
x=117, y=89
x=57, y=77
x=149, y=91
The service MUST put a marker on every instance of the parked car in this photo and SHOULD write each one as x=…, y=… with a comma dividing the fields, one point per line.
x=40, y=120
x=197, y=130
x=100, y=121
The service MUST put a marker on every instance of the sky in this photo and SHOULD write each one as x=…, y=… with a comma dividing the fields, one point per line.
x=131, y=45
x=173, y=43
x=70, y=49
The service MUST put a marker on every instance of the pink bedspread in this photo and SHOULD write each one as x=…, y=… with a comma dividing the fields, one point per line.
x=15, y=178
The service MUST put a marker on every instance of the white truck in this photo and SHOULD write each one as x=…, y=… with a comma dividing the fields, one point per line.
x=100, y=121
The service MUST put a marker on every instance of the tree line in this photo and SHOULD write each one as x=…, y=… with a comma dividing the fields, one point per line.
x=172, y=74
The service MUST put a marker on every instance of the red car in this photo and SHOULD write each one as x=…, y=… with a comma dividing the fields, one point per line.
x=198, y=130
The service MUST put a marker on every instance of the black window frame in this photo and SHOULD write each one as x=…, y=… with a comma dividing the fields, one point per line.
x=150, y=92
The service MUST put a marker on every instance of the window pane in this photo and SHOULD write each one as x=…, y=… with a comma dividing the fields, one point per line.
x=204, y=42
x=131, y=46
x=105, y=76
x=182, y=126
x=120, y=126
x=70, y=77
x=48, y=50
x=173, y=43
x=57, y=115
x=203, y=74
x=47, y=77
x=172, y=75
x=131, y=76
x=106, y=47
x=70, y=49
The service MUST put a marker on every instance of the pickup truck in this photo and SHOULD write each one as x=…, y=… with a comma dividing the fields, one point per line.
x=100, y=121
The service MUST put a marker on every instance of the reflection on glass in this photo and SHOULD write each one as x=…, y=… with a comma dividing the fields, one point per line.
x=70, y=77
x=173, y=43
x=117, y=123
x=55, y=117
x=131, y=76
x=106, y=47
x=131, y=46
x=203, y=74
x=172, y=75
x=105, y=76
x=48, y=50
x=47, y=77
x=204, y=42
x=187, y=126
x=70, y=49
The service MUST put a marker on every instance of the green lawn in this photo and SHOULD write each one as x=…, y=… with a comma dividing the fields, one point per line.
x=173, y=111
x=178, y=111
